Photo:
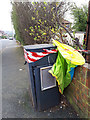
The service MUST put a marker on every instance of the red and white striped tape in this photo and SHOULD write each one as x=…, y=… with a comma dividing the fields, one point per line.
x=34, y=56
x=77, y=50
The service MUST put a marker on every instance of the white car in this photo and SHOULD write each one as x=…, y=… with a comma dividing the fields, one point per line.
x=10, y=38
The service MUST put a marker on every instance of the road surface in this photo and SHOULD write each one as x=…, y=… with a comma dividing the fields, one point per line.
x=15, y=83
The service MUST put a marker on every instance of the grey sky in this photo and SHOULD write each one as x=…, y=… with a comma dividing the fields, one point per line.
x=5, y=17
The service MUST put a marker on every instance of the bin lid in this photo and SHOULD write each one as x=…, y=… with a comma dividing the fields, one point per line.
x=38, y=46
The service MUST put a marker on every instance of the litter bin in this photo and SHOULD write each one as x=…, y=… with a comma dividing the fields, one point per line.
x=43, y=86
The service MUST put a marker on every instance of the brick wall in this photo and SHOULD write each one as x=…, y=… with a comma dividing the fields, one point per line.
x=78, y=92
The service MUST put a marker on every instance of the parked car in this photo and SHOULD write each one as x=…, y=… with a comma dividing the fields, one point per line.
x=10, y=38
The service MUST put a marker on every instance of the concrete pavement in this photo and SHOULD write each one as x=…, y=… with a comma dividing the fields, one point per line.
x=15, y=86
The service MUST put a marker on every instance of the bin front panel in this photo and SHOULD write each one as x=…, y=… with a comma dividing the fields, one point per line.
x=45, y=61
x=46, y=98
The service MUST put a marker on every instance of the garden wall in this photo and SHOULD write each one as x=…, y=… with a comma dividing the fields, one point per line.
x=79, y=91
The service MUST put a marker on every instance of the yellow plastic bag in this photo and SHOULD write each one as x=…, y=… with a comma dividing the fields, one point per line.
x=70, y=53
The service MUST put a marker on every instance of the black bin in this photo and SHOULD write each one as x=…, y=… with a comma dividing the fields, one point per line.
x=43, y=87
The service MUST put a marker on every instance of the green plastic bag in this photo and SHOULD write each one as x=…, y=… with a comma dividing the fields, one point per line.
x=61, y=71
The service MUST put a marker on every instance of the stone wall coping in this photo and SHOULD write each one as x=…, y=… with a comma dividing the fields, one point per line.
x=86, y=65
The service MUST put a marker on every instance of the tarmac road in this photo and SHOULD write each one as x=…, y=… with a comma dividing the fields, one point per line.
x=15, y=86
